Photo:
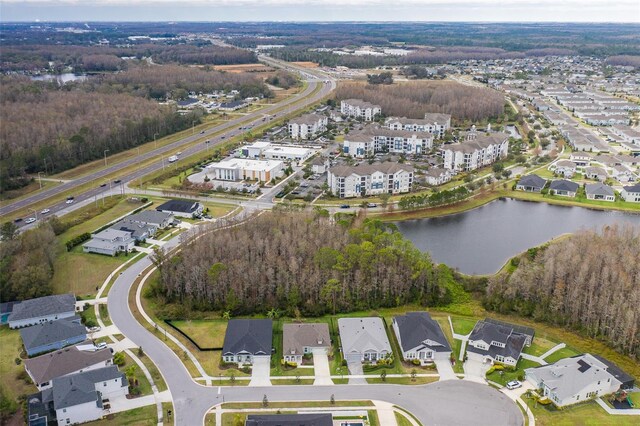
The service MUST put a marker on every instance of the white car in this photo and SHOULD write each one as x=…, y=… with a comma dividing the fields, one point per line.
x=101, y=345
x=514, y=384
x=30, y=220
x=69, y=201
x=93, y=329
x=45, y=211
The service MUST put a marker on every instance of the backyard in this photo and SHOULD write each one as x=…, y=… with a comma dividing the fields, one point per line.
x=585, y=414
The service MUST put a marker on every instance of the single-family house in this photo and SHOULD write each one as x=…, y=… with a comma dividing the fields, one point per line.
x=78, y=398
x=160, y=220
x=631, y=193
x=247, y=339
x=564, y=187
x=110, y=242
x=565, y=168
x=573, y=380
x=437, y=176
x=363, y=339
x=44, y=368
x=182, y=208
x=622, y=174
x=49, y=336
x=627, y=381
x=42, y=309
x=580, y=159
x=496, y=341
x=531, y=183
x=600, y=191
x=420, y=338
x=139, y=231
x=595, y=173
x=301, y=339
x=305, y=419
x=232, y=105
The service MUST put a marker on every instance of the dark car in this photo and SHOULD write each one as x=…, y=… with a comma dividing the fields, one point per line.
x=345, y=206
x=117, y=181
x=102, y=185
x=18, y=220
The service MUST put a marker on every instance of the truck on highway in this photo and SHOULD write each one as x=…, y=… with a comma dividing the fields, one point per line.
x=172, y=158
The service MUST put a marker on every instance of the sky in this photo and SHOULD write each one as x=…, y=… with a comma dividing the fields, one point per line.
x=323, y=10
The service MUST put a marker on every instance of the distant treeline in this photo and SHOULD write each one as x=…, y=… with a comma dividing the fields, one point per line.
x=413, y=100
x=301, y=264
x=624, y=60
x=589, y=282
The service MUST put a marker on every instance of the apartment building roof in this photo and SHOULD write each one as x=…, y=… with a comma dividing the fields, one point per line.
x=308, y=119
x=360, y=103
x=367, y=169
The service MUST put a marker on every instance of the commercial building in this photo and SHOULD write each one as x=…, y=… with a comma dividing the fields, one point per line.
x=370, y=179
x=236, y=169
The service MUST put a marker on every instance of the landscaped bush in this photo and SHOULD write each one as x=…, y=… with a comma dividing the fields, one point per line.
x=119, y=359
x=77, y=240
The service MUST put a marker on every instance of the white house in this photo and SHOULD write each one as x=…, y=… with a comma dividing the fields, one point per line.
x=573, y=380
x=622, y=174
x=42, y=309
x=599, y=191
x=307, y=125
x=420, y=338
x=110, y=242
x=370, y=179
x=631, y=193
x=363, y=339
x=565, y=168
x=477, y=151
x=359, y=109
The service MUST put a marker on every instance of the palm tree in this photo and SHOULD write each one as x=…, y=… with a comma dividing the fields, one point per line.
x=226, y=315
x=273, y=313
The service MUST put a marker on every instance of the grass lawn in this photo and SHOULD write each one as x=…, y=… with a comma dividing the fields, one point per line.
x=206, y=333
x=561, y=353
x=373, y=418
x=635, y=399
x=463, y=326
x=402, y=420
x=143, y=384
x=503, y=377
x=155, y=373
x=539, y=346
x=402, y=380
x=585, y=414
x=137, y=417
x=104, y=314
x=12, y=196
x=10, y=348
x=292, y=382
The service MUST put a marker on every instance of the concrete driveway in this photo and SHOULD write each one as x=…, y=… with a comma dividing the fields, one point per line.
x=476, y=370
x=355, y=369
x=261, y=371
x=445, y=370
x=321, y=368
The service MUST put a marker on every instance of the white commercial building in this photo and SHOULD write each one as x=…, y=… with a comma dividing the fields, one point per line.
x=269, y=151
x=360, y=109
x=307, y=125
x=235, y=169
x=370, y=179
x=478, y=151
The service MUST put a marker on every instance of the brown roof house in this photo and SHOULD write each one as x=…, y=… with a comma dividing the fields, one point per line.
x=301, y=339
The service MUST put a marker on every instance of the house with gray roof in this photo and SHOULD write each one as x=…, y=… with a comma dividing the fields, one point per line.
x=42, y=309
x=563, y=187
x=599, y=191
x=182, y=208
x=573, y=380
x=301, y=339
x=160, y=220
x=531, y=183
x=595, y=173
x=49, y=336
x=631, y=193
x=420, y=338
x=363, y=339
x=306, y=419
x=110, y=242
x=246, y=339
x=139, y=231
x=496, y=341
x=44, y=368
x=78, y=398
x=566, y=168
x=436, y=176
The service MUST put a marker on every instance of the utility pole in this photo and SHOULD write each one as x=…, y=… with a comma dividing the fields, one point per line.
x=193, y=127
x=155, y=142
x=105, y=157
x=40, y=179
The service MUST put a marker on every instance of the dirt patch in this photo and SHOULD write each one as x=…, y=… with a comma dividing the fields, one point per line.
x=307, y=64
x=238, y=68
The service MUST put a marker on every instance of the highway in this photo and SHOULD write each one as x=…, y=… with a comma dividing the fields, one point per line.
x=453, y=402
x=226, y=131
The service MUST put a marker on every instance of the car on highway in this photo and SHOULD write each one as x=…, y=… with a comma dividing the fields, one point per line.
x=222, y=137
x=102, y=185
x=179, y=153
x=70, y=200
x=117, y=181
x=45, y=211
x=372, y=205
x=514, y=384
x=30, y=220
x=345, y=206
x=202, y=132
x=18, y=220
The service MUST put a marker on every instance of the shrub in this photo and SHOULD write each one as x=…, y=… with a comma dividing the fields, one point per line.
x=415, y=361
x=77, y=240
x=119, y=359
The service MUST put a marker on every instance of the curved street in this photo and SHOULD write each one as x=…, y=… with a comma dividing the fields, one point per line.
x=453, y=402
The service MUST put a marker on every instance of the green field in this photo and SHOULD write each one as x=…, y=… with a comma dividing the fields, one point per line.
x=10, y=348
x=539, y=346
x=142, y=416
x=206, y=333
x=561, y=353
x=463, y=326
x=402, y=420
x=585, y=414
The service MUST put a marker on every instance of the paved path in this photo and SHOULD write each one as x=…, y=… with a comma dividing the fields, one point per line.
x=356, y=374
x=321, y=368
x=475, y=371
x=552, y=350
x=260, y=371
x=445, y=370
x=386, y=413
x=124, y=404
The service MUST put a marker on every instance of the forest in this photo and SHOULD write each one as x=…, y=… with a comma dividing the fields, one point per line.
x=414, y=99
x=588, y=282
x=301, y=264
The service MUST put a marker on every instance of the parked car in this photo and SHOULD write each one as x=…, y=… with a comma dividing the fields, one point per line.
x=45, y=211
x=30, y=220
x=345, y=206
x=372, y=205
x=514, y=384
x=94, y=329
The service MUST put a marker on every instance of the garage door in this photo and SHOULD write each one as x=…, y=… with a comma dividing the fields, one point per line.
x=352, y=357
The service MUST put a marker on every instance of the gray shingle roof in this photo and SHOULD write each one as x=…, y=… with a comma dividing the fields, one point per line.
x=417, y=328
x=367, y=169
x=632, y=188
x=599, y=189
x=43, y=306
x=489, y=332
x=249, y=335
x=51, y=332
x=311, y=419
x=363, y=334
x=564, y=185
x=183, y=206
x=149, y=216
x=81, y=388
x=62, y=362
x=295, y=337
x=533, y=181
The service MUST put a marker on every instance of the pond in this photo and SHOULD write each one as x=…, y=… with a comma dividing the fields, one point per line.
x=481, y=240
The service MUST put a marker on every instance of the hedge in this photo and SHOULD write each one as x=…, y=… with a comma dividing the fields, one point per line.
x=77, y=240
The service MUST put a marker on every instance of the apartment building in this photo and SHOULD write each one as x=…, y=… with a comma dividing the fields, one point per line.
x=359, y=109
x=434, y=123
x=370, y=179
x=475, y=152
x=308, y=125
x=374, y=139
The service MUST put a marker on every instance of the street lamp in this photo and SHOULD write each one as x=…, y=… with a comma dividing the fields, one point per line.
x=155, y=142
x=193, y=127
x=40, y=179
x=105, y=157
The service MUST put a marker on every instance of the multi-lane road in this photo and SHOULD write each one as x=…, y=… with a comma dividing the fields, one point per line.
x=222, y=132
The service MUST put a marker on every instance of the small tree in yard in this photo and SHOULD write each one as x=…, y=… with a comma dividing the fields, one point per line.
x=332, y=400
x=383, y=376
x=414, y=373
x=265, y=401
